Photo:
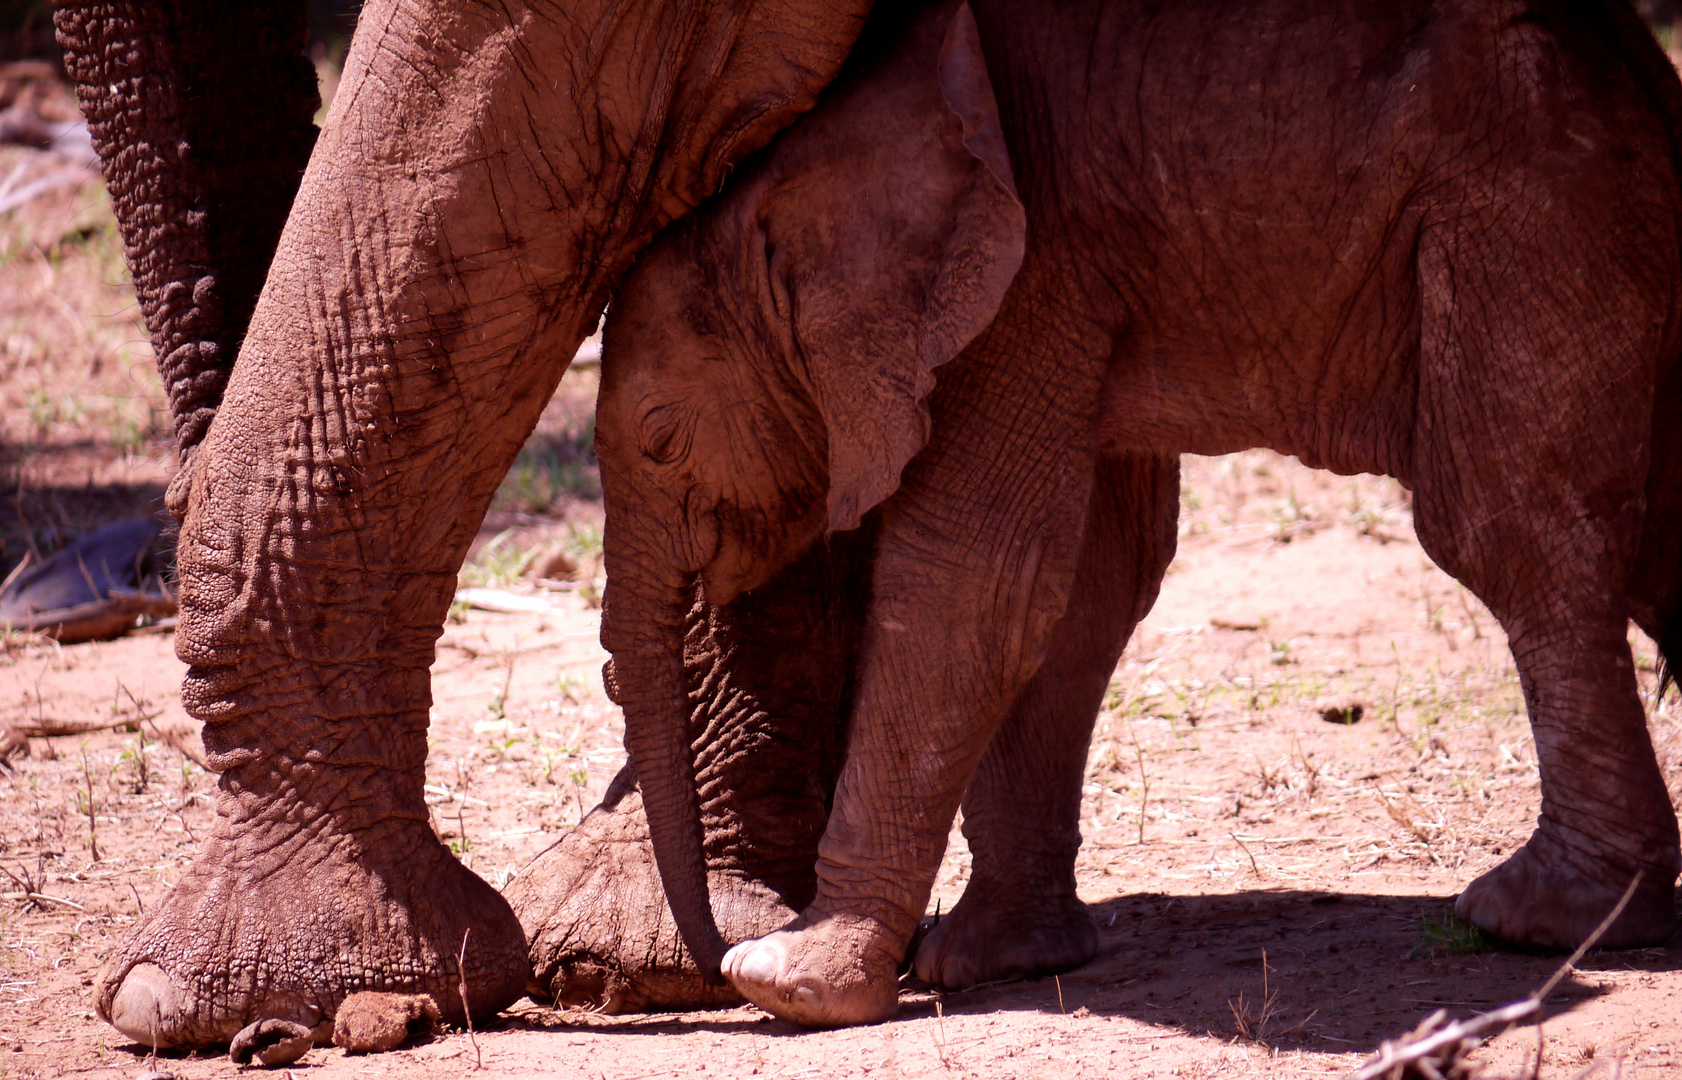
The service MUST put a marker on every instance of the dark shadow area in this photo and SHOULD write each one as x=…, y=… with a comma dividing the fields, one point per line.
x=1344, y=971
x=50, y=498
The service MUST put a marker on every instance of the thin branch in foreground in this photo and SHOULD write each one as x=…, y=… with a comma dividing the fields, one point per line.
x=461, y=988
x=48, y=728
x=1434, y=1052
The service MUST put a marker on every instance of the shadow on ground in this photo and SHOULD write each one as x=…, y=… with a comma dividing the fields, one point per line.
x=1344, y=972
x=49, y=498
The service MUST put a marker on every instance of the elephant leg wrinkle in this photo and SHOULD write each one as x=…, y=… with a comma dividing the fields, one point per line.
x=1020, y=916
x=485, y=177
x=319, y=880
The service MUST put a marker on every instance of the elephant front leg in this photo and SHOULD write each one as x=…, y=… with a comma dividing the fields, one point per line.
x=322, y=877
x=1019, y=915
x=974, y=568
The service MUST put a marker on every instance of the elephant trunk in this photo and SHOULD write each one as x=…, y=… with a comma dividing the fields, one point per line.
x=202, y=113
x=643, y=627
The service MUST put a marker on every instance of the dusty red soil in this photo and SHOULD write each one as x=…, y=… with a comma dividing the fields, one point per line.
x=1286, y=910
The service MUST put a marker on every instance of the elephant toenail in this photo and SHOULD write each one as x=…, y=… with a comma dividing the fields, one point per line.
x=755, y=962
x=147, y=1006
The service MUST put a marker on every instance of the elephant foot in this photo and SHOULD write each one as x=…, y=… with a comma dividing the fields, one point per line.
x=598, y=928
x=1544, y=898
x=994, y=934
x=821, y=970
x=277, y=921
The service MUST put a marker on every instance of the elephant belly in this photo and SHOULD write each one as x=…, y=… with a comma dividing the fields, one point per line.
x=1262, y=233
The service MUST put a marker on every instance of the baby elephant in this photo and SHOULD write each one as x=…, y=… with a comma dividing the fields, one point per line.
x=1019, y=259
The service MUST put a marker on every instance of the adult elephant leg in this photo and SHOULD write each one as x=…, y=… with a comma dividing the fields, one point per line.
x=976, y=559
x=1019, y=915
x=483, y=180
x=1530, y=459
x=769, y=676
x=203, y=115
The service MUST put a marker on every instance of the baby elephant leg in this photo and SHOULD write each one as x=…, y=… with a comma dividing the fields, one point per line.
x=1019, y=916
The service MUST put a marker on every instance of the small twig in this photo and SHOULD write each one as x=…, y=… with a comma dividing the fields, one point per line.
x=87, y=776
x=1428, y=1042
x=940, y=1024
x=461, y=988
x=137, y=900
x=45, y=728
x=43, y=186
x=1144, y=782
x=178, y=742
x=1059, y=980
x=29, y=556
x=40, y=896
x=1243, y=847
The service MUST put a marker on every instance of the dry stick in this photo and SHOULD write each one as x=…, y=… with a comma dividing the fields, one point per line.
x=24, y=564
x=43, y=186
x=1144, y=782
x=461, y=988
x=940, y=1023
x=93, y=839
x=40, y=896
x=178, y=742
x=1246, y=851
x=45, y=728
x=1395, y=1056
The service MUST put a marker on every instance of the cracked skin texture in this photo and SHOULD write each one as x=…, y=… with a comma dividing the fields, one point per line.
x=485, y=177
x=1473, y=288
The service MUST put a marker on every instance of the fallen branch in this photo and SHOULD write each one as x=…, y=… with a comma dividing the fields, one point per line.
x=1434, y=1052
x=107, y=618
x=39, y=896
x=45, y=728
x=45, y=185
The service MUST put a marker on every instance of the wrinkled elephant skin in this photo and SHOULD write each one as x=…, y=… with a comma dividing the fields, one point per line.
x=484, y=178
x=1434, y=242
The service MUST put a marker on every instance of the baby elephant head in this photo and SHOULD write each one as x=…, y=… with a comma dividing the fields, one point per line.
x=768, y=359
x=766, y=366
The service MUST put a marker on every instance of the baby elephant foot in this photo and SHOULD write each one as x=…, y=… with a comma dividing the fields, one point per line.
x=821, y=970
x=261, y=930
x=1541, y=897
x=988, y=937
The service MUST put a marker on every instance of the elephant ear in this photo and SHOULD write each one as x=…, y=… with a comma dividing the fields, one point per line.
x=893, y=230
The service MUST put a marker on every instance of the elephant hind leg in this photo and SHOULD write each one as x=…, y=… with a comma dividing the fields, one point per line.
x=1019, y=916
x=1529, y=488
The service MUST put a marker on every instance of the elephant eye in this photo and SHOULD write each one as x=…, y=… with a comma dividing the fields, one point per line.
x=665, y=437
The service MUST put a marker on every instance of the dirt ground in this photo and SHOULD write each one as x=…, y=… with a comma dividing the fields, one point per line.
x=1273, y=889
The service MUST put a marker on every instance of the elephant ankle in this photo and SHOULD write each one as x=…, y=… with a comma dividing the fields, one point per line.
x=1607, y=853
x=1023, y=876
